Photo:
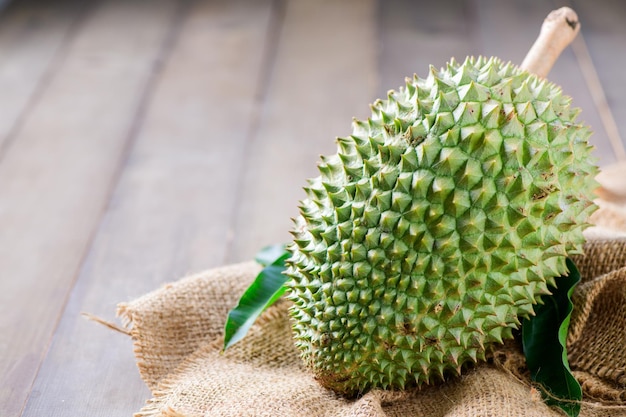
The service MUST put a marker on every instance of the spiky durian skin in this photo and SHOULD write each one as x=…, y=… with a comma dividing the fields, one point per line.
x=437, y=225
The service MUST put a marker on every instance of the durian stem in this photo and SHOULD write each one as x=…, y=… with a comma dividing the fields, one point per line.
x=558, y=30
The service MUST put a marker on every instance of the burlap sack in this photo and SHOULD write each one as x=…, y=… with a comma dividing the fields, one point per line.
x=177, y=331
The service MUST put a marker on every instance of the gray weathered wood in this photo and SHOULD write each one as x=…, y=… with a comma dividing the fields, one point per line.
x=33, y=34
x=55, y=177
x=324, y=74
x=170, y=213
x=142, y=140
x=415, y=35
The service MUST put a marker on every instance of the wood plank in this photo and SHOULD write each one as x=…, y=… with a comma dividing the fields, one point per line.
x=602, y=25
x=55, y=178
x=508, y=29
x=324, y=74
x=32, y=34
x=170, y=213
x=415, y=35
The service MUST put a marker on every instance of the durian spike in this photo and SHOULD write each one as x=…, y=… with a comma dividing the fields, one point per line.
x=558, y=30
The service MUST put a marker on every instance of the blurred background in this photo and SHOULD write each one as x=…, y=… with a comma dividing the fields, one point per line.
x=142, y=140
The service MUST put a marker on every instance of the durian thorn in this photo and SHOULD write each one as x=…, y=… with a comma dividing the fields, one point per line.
x=558, y=30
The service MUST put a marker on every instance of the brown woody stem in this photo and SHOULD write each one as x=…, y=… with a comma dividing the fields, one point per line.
x=557, y=32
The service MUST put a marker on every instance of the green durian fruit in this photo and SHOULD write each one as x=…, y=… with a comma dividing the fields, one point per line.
x=437, y=225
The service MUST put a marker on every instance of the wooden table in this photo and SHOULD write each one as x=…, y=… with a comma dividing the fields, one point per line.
x=141, y=140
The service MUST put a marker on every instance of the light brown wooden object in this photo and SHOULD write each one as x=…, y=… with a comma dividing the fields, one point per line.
x=55, y=177
x=558, y=30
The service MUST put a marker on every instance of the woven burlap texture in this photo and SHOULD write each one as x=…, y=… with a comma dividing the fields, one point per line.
x=177, y=332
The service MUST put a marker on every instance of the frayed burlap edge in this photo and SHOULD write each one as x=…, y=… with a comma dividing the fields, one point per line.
x=180, y=328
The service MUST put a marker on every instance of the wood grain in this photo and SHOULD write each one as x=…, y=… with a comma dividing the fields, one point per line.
x=324, y=73
x=55, y=177
x=170, y=212
x=143, y=140
x=415, y=35
x=33, y=34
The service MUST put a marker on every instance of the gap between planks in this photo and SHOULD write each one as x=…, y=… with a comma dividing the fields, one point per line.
x=145, y=96
x=33, y=341
x=160, y=221
x=272, y=41
x=44, y=80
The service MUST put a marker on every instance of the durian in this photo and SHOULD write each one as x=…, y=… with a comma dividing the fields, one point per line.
x=438, y=224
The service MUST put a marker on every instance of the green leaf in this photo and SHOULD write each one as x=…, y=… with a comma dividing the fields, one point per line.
x=543, y=338
x=267, y=288
x=269, y=254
